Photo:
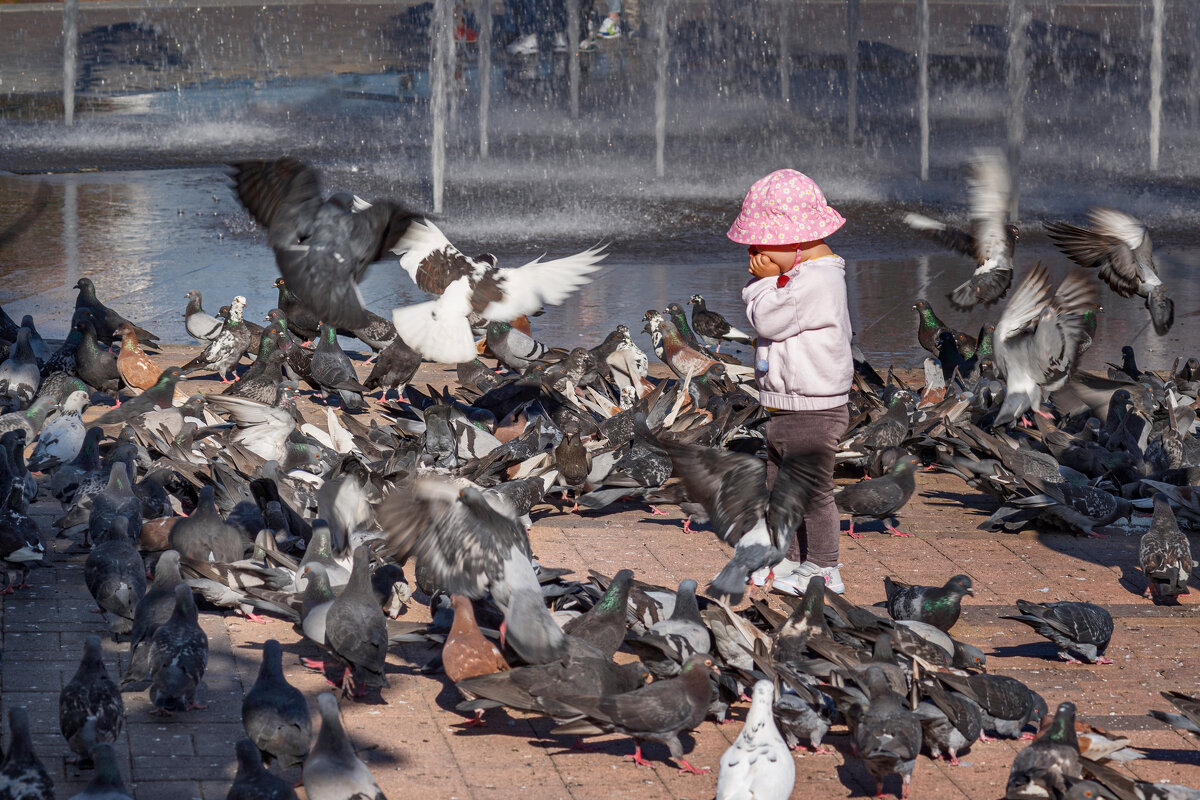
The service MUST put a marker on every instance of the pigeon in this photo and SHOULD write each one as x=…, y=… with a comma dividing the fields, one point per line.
x=260, y=428
x=333, y=372
x=204, y=536
x=758, y=765
x=467, y=653
x=732, y=489
x=262, y=382
x=659, y=712
x=41, y=350
x=22, y=776
x=1045, y=767
x=178, y=657
x=471, y=548
x=20, y=376
x=887, y=736
x=153, y=611
x=603, y=625
x=252, y=781
x=223, y=353
x=1165, y=554
x=1036, y=339
x=991, y=240
x=1077, y=628
x=322, y=246
x=332, y=771
x=1119, y=245
x=94, y=364
x=31, y=420
x=90, y=696
x=440, y=330
x=115, y=574
x=115, y=499
x=950, y=722
x=62, y=437
x=938, y=606
x=356, y=630
x=513, y=347
x=712, y=327
x=200, y=325
x=275, y=714
x=1007, y=704
x=668, y=643
x=161, y=395
x=106, y=320
x=137, y=369
x=394, y=367
x=879, y=498
x=1188, y=718
x=106, y=784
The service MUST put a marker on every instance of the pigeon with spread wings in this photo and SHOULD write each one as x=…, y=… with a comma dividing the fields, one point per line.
x=323, y=245
x=1120, y=246
x=991, y=239
x=471, y=543
x=732, y=487
x=475, y=288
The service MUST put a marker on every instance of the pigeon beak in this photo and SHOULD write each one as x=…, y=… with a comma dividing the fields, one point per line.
x=971, y=592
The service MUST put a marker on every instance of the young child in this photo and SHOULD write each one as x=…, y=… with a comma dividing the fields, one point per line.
x=802, y=362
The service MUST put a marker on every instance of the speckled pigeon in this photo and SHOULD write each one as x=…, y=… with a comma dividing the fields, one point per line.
x=758, y=765
x=939, y=606
x=1046, y=767
x=1081, y=629
x=90, y=695
x=1165, y=554
x=178, y=657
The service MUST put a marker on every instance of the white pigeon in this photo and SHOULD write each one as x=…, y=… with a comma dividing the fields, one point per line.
x=261, y=429
x=475, y=288
x=758, y=765
x=1037, y=339
x=60, y=440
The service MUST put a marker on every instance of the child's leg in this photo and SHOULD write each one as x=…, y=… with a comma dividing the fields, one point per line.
x=814, y=434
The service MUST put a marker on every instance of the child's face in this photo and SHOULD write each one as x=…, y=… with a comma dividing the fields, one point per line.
x=769, y=260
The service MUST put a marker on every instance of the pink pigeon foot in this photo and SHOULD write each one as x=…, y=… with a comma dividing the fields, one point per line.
x=896, y=532
x=195, y=707
x=313, y=663
x=1103, y=660
x=476, y=721
x=822, y=750
x=252, y=617
x=687, y=526
x=686, y=767
x=655, y=511
x=1027, y=736
x=637, y=757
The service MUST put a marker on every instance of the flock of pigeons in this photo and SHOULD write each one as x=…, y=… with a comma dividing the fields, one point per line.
x=317, y=524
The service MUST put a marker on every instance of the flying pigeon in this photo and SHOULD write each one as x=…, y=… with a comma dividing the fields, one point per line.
x=1165, y=554
x=758, y=764
x=1077, y=628
x=471, y=547
x=732, y=489
x=990, y=241
x=1036, y=339
x=322, y=246
x=440, y=330
x=939, y=606
x=1119, y=245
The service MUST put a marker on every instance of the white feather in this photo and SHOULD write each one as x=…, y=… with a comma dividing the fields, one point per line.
x=439, y=329
x=526, y=289
x=921, y=222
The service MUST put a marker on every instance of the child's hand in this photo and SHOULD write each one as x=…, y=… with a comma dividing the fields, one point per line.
x=761, y=266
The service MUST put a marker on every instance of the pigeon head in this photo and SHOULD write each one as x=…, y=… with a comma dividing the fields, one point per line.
x=904, y=465
x=696, y=300
x=185, y=603
x=85, y=285
x=1062, y=728
x=278, y=284
x=960, y=585
x=921, y=305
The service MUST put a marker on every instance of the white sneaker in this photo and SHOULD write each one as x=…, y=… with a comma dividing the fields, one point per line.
x=796, y=582
x=784, y=567
x=560, y=42
x=609, y=29
x=524, y=45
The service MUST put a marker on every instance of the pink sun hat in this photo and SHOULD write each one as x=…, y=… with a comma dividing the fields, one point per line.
x=785, y=207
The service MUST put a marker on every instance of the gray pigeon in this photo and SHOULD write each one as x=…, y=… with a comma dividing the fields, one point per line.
x=90, y=696
x=1077, y=628
x=1189, y=707
x=333, y=371
x=669, y=643
x=950, y=722
x=200, y=324
x=204, y=536
x=939, y=606
x=41, y=350
x=153, y=610
x=1045, y=768
x=116, y=575
x=1165, y=554
x=31, y=420
x=1037, y=339
x=22, y=776
x=261, y=429
x=332, y=771
x=20, y=376
x=1007, y=704
x=224, y=352
x=732, y=489
x=61, y=437
x=757, y=765
x=322, y=246
x=470, y=547
x=106, y=784
x=252, y=781
x=275, y=714
x=1120, y=246
x=356, y=629
x=991, y=240
x=888, y=736
x=115, y=500
x=178, y=657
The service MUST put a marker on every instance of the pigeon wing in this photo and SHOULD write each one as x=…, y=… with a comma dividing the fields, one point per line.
x=283, y=196
x=794, y=486
x=526, y=289
x=730, y=486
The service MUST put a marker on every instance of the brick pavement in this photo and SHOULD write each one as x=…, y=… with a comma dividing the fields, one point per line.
x=415, y=744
